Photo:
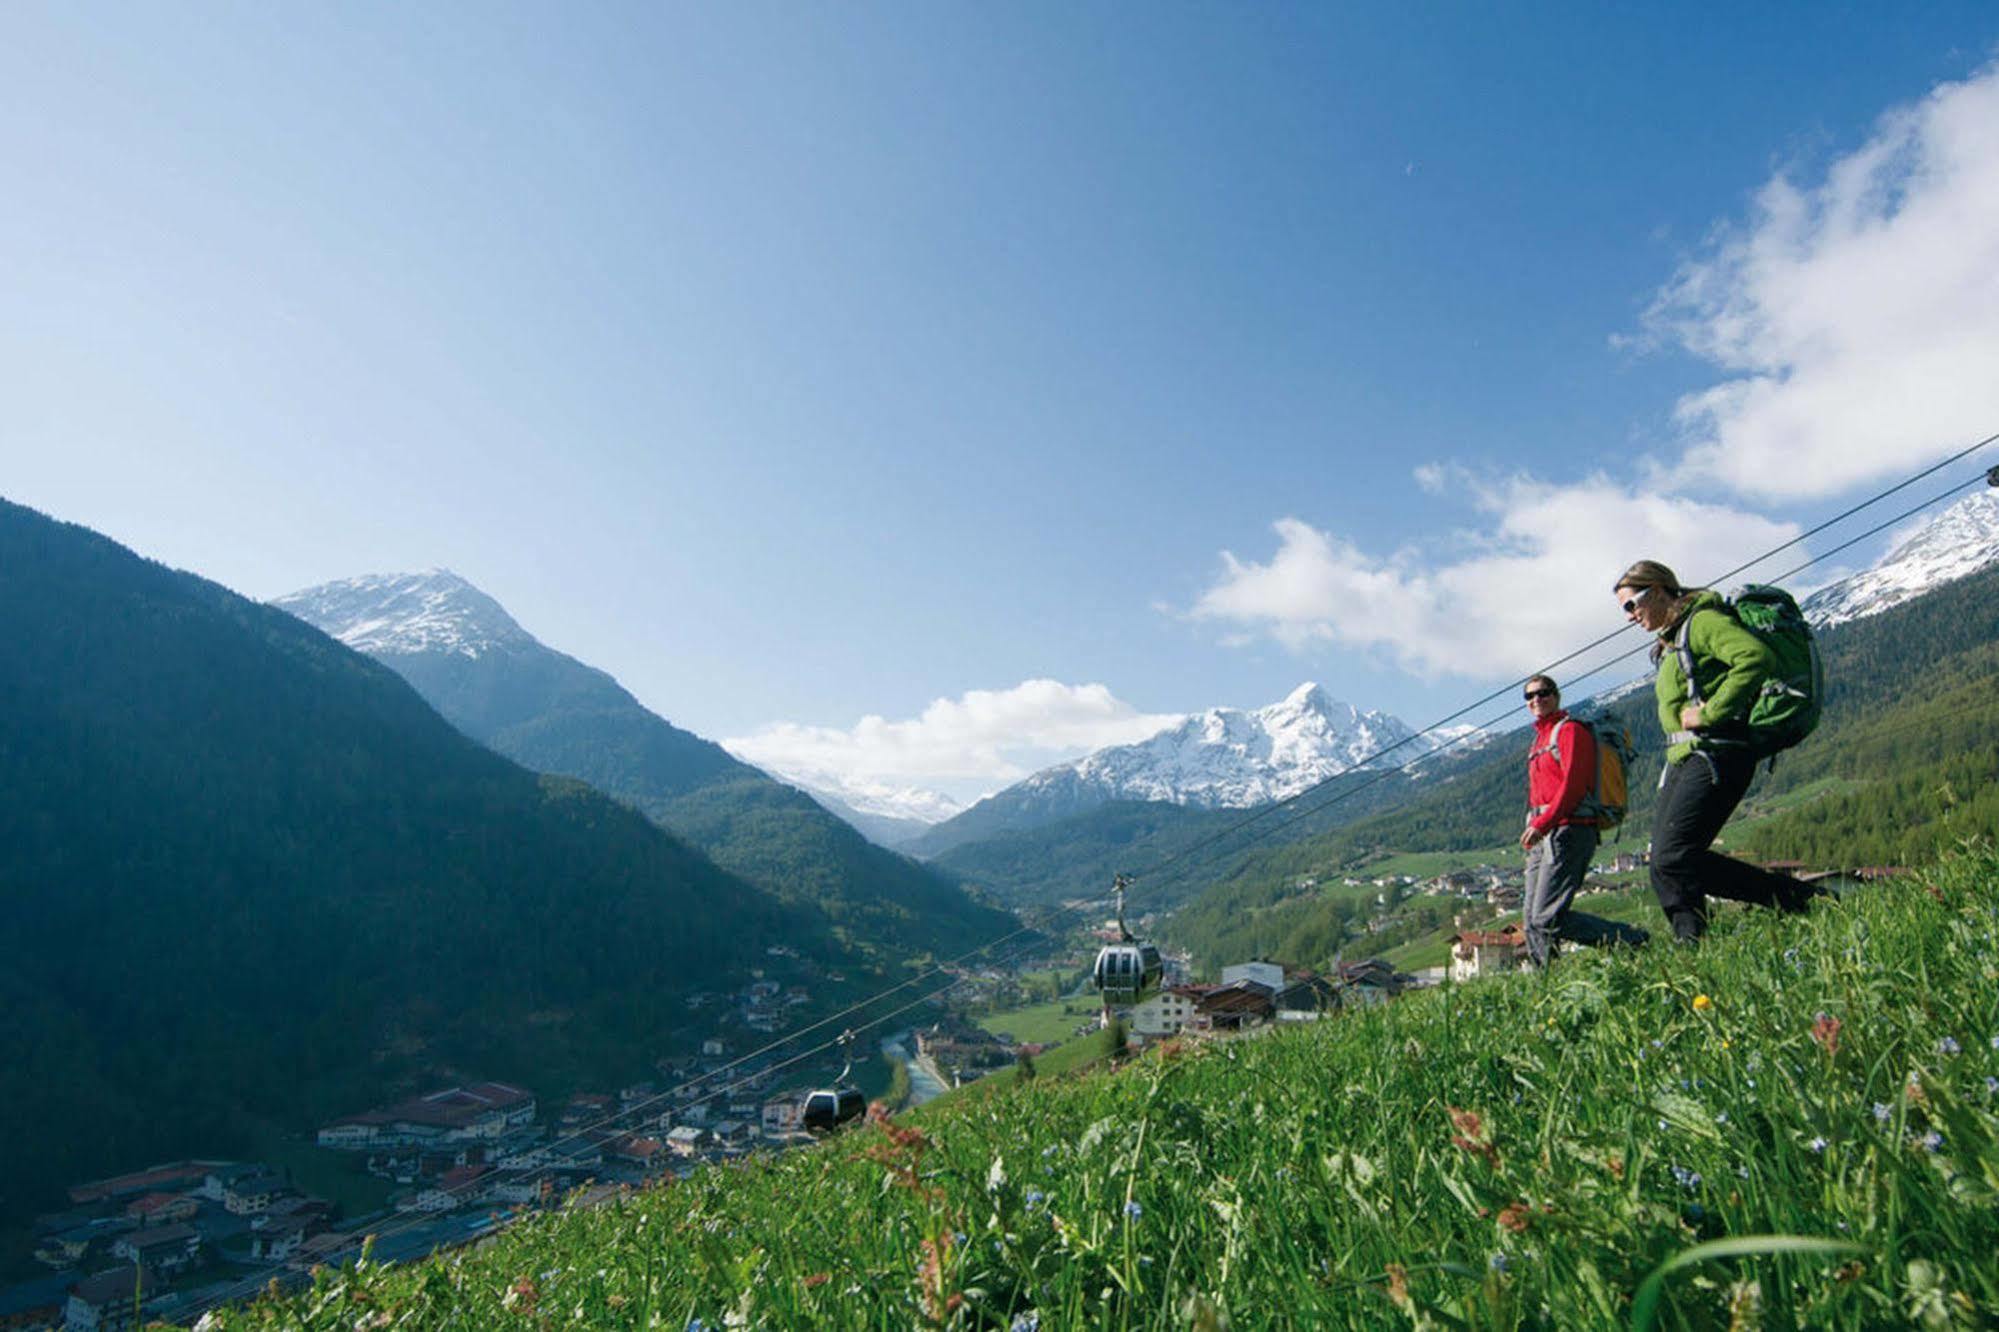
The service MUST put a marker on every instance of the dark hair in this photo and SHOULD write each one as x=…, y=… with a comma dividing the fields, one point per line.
x=1547, y=680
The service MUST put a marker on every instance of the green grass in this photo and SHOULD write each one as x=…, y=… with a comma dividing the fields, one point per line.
x=1042, y=1024
x=337, y=1177
x=1679, y=1134
x=1633, y=905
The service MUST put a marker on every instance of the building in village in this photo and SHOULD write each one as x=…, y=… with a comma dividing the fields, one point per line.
x=478, y=1111
x=104, y=1302
x=1476, y=953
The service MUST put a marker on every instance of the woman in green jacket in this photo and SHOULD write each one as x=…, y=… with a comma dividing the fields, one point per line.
x=1709, y=762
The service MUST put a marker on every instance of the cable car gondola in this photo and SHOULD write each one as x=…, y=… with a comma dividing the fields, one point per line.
x=836, y=1106
x=1127, y=969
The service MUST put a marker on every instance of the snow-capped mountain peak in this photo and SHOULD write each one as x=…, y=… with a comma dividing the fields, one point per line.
x=1232, y=758
x=1959, y=541
x=408, y=613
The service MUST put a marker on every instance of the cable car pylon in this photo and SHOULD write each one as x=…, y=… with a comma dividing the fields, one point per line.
x=1128, y=969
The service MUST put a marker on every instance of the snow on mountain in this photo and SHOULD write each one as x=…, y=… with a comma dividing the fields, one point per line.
x=1960, y=540
x=1228, y=758
x=886, y=829
x=407, y=613
x=864, y=796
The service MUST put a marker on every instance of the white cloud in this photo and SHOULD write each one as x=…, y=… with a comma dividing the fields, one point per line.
x=1535, y=586
x=982, y=740
x=1857, y=322
x=1858, y=316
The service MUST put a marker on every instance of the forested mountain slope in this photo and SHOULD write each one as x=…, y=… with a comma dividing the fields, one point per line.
x=251, y=877
x=553, y=713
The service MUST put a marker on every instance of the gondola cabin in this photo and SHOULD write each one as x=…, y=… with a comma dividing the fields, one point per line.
x=830, y=1108
x=1125, y=971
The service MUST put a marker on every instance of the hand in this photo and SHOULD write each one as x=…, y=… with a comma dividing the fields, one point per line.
x=1529, y=838
x=1690, y=718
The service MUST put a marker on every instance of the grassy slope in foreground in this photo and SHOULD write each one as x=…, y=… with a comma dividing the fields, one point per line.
x=1518, y=1152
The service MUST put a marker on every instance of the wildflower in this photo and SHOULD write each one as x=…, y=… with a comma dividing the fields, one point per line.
x=1947, y=1046
x=1721, y=1117
x=1685, y=1178
x=1995, y=1042
x=1035, y=1197
x=1932, y=1140
x=1027, y=1322
x=1742, y=1172
x=1133, y=1210
x=696, y=1325
x=1515, y=1217
x=1702, y=1003
x=1991, y=1086
x=1817, y=1144
x=1881, y=1112
x=1825, y=1030
x=1501, y=1263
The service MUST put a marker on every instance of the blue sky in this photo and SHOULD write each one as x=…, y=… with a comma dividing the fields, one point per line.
x=801, y=364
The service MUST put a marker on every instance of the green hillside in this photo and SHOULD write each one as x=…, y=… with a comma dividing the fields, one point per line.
x=1076, y=856
x=251, y=879
x=552, y=713
x=1903, y=764
x=1795, y=1125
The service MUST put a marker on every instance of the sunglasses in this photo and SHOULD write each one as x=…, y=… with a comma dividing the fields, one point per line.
x=1632, y=605
x=1533, y=694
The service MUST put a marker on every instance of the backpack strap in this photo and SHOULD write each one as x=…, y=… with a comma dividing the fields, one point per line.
x=1683, y=646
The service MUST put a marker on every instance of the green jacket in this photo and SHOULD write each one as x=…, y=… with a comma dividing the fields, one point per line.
x=1730, y=665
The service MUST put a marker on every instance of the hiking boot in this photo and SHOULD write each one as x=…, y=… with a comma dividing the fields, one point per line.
x=1795, y=899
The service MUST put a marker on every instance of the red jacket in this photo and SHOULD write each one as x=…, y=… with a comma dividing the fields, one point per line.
x=1557, y=782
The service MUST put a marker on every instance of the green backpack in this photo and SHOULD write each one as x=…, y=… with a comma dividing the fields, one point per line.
x=1787, y=709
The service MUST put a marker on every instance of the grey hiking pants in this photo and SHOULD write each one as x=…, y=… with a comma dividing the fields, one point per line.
x=1555, y=868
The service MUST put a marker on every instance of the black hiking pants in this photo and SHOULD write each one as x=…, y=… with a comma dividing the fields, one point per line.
x=1699, y=794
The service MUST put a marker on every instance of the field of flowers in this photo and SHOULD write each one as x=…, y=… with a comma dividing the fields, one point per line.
x=1795, y=1125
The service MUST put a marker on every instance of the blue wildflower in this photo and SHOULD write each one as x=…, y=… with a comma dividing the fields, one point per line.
x=1687, y=1179
x=1991, y=1086
x=1133, y=1210
x=1035, y=1198
x=1882, y=1110
x=1947, y=1046
x=1933, y=1140
x=1027, y=1322
x=696, y=1325
x=1817, y=1144
x=1501, y=1263
x=1721, y=1116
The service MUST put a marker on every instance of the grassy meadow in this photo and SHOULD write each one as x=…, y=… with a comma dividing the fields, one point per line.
x=1794, y=1125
